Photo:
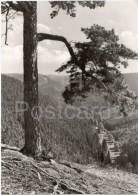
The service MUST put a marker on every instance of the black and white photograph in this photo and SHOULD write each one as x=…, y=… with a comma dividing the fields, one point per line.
x=69, y=97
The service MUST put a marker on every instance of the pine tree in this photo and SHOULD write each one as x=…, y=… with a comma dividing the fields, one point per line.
x=30, y=42
x=97, y=66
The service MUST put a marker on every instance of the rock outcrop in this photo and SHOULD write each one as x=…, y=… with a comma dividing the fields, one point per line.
x=107, y=148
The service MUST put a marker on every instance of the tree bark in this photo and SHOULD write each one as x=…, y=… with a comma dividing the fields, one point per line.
x=31, y=120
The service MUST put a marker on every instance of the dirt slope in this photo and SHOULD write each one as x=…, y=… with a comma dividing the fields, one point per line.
x=21, y=174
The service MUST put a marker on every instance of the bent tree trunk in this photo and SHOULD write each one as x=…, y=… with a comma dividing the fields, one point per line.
x=31, y=120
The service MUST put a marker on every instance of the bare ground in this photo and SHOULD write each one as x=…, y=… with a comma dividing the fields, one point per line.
x=22, y=174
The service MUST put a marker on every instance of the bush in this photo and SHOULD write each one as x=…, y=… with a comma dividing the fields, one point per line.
x=129, y=156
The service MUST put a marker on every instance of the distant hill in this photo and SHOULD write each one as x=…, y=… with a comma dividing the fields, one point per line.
x=132, y=80
x=55, y=84
x=48, y=84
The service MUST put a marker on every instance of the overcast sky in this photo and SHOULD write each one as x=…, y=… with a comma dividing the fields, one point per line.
x=120, y=15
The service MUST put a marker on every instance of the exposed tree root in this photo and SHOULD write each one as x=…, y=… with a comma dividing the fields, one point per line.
x=73, y=190
x=4, y=146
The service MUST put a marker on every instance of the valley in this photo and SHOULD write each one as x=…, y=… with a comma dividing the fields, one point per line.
x=67, y=138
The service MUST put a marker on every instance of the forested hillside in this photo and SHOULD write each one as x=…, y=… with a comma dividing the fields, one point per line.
x=68, y=138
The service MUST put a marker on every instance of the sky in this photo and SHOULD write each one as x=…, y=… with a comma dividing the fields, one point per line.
x=122, y=15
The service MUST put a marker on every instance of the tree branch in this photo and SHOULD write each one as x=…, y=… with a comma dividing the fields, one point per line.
x=4, y=7
x=15, y=6
x=6, y=31
x=20, y=6
x=12, y=15
x=44, y=36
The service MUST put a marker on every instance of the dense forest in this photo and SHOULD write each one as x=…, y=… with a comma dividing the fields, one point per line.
x=70, y=139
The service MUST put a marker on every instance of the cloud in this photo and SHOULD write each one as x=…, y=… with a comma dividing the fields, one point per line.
x=12, y=59
x=48, y=61
x=15, y=36
x=42, y=28
x=59, y=28
x=130, y=39
x=53, y=56
x=45, y=43
x=133, y=67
